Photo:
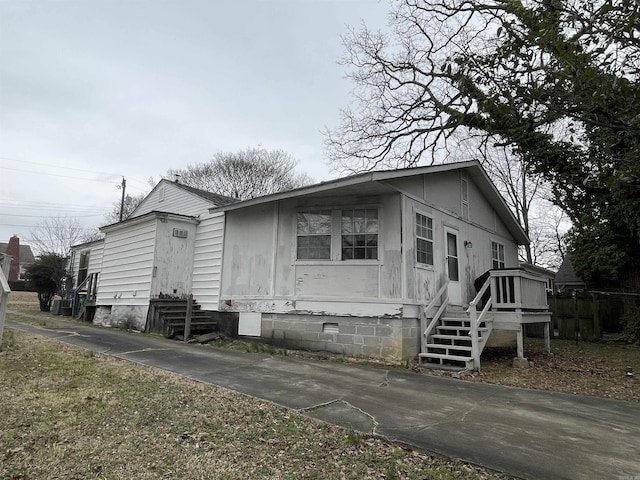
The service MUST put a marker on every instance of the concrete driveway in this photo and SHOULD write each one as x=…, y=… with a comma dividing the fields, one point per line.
x=525, y=433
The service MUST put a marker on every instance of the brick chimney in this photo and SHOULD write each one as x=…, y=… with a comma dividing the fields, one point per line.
x=13, y=249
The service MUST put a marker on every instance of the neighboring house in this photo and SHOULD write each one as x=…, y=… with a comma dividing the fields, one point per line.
x=22, y=257
x=380, y=263
x=566, y=279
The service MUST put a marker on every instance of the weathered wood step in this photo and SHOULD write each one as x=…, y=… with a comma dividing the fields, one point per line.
x=198, y=315
x=459, y=329
x=451, y=338
x=443, y=356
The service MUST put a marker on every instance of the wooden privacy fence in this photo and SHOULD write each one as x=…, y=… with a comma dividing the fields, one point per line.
x=587, y=314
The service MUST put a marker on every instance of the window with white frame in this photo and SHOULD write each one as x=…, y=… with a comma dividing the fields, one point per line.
x=359, y=229
x=424, y=239
x=351, y=232
x=314, y=235
x=497, y=255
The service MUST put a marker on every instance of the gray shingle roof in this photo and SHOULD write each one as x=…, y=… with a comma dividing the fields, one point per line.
x=26, y=255
x=566, y=274
x=219, y=200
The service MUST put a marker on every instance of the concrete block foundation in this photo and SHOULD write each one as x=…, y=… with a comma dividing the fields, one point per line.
x=394, y=339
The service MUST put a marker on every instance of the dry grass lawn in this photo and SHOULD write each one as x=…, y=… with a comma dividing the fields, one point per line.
x=71, y=414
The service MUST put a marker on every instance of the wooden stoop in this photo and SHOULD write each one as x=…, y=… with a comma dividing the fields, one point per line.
x=449, y=347
x=167, y=316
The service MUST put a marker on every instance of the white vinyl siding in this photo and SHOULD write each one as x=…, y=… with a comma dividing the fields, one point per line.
x=176, y=200
x=127, y=265
x=207, y=261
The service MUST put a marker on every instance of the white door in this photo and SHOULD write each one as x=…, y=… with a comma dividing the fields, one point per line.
x=453, y=265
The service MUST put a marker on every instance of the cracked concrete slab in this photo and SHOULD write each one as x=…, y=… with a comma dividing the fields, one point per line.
x=342, y=413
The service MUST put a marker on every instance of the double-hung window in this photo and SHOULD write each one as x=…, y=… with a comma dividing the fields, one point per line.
x=349, y=234
x=497, y=255
x=360, y=234
x=314, y=235
x=424, y=239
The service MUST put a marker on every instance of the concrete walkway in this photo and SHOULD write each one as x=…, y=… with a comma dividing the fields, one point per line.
x=525, y=433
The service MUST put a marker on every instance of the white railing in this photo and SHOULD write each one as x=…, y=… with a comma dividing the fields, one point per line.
x=5, y=266
x=512, y=290
x=90, y=284
x=427, y=329
x=475, y=320
x=518, y=289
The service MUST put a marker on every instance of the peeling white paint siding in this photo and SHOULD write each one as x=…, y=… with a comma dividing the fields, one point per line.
x=173, y=260
x=441, y=202
x=391, y=267
x=168, y=197
x=248, y=252
x=127, y=264
x=249, y=259
x=207, y=260
x=337, y=280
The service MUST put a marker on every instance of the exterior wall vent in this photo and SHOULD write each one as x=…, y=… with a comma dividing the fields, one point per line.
x=180, y=233
x=330, y=328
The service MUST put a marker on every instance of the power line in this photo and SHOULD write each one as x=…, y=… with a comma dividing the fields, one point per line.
x=109, y=174
x=47, y=216
x=36, y=226
x=48, y=174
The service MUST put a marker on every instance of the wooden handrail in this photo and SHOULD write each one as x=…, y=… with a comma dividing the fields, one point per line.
x=443, y=305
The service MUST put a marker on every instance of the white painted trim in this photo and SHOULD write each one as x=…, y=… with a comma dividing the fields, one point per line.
x=430, y=216
x=274, y=255
x=403, y=249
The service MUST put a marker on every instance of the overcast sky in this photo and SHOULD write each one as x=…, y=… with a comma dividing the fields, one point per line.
x=91, y=91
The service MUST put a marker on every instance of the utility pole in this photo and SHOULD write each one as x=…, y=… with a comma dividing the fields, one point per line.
x=122, y=186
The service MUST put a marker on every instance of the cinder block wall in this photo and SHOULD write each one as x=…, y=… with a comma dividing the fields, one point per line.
x=394, y=339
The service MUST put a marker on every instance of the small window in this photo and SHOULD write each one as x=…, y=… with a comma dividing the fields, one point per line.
x=314, y=235
x=424, y=239
x=360, y=234
x=464, y=190
x=83, y=267
x=497, y=255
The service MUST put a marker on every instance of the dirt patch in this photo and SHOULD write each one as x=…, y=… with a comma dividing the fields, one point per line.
x=607, y=369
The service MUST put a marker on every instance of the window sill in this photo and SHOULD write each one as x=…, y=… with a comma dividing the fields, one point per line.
x=423, y=266
x=336, y=263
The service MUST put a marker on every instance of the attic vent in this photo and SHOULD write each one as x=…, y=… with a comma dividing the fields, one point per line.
x=180, y=233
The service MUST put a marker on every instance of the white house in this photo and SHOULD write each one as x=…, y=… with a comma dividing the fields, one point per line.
x=381, y=263
x=169, y=246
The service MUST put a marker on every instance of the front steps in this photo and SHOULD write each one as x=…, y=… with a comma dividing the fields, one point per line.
x=168, y=317
x=450, y=346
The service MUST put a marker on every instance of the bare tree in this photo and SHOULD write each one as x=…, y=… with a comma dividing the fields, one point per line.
x=56, y=235
x=129, y=205
x=549, y=228
x=245, y=174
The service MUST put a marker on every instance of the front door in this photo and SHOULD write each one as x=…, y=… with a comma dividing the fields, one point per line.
x=453, y=265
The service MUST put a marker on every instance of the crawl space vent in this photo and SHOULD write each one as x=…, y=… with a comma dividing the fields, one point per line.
x=180, y=233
